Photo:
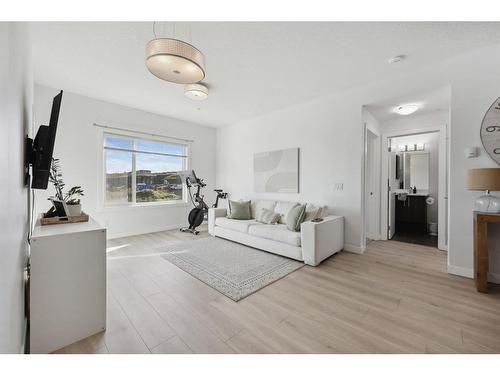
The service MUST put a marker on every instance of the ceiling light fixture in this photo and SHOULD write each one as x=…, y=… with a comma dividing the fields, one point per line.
x=196, y=91
x=406, y=109
x=396, y=59
x=174, y=60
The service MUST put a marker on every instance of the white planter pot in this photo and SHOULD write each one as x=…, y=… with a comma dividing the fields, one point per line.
x=74, y=209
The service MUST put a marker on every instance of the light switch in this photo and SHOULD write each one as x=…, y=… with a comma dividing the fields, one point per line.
x=339, y=186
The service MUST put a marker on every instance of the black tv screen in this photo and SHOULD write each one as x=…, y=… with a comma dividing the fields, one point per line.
x=43, y=146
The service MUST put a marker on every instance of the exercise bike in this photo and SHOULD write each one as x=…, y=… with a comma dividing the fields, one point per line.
x=200, y=210
x=220, y=195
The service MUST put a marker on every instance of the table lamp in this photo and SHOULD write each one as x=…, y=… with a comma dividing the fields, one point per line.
x=485, y=179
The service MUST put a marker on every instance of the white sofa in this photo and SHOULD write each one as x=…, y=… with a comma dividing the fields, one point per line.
x=315, y=242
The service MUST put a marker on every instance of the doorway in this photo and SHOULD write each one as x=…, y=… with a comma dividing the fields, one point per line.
x=429, y=203
x=417, y=114
x=413, y=174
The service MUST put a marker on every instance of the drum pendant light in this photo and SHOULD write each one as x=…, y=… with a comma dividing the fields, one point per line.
x=175, y=61
x=196, y=91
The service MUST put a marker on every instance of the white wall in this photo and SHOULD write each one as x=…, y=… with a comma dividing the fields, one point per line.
x=329, y=132
x=15, y=115
x=79, y=146
x=372, y=207
x=330, y=152
x=415, y=121
x=371, y=122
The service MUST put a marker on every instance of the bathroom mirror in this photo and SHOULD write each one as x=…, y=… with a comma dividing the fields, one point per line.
x=415, y=170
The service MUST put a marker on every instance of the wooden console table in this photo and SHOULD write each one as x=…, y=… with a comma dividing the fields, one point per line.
x=481, y=220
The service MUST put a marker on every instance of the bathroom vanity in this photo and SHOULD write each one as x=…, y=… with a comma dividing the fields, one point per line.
x=411, y=213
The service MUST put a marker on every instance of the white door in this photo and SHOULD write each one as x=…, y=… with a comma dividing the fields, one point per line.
x=393, y=185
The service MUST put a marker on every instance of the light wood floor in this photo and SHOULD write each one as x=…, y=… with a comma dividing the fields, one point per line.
x=395, y=298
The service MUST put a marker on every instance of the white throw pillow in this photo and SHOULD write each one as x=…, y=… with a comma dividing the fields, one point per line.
x=312, y=212
x=258, y=205
x=266, y=216
x=283, y=208
x=315, y=212
x=323, y=212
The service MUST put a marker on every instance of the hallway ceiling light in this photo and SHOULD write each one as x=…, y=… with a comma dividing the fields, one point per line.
x=196, y=91
x=396, y=59
x=175, y=61
x=407, y=109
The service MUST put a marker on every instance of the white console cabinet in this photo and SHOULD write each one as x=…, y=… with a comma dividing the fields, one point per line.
x=67, y=284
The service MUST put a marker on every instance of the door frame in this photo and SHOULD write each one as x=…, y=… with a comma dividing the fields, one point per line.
x=443, y=168
x=364, y=190
x=391, y=205
x=372, y=184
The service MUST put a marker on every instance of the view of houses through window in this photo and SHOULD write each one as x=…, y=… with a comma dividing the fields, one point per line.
x=140, y=170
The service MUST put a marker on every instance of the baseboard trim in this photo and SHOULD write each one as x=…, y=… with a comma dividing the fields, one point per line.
x=493, y=277
x=461, y=271
x=354, y=249
x=136, y=233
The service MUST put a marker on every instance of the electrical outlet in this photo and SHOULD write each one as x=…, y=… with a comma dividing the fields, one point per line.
x=339, y=186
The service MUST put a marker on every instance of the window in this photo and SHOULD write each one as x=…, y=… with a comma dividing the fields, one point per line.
x=140, y=171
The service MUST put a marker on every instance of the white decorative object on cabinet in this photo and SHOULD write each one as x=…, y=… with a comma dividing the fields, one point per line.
x=67, y=284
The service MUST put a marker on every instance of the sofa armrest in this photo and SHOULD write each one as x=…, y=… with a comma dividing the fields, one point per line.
x=321, y=239
x=214, y=213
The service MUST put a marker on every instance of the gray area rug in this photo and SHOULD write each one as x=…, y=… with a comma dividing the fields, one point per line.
x=233, y=269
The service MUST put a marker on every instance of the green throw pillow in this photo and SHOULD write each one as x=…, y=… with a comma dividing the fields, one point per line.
x=239, y=210
x=296, y=217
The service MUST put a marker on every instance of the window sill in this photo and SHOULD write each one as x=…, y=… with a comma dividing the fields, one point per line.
x=126, y=207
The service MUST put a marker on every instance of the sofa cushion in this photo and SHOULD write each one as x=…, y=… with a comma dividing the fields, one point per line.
x=283, y=208
x=276, y=233
x=236, y=225
x=239, y=210
x=257, y=205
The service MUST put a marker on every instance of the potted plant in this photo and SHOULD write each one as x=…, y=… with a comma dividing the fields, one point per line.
x=71, y=196
x=73, y=203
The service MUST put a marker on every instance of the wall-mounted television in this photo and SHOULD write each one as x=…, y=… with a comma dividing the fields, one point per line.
x=39, y=150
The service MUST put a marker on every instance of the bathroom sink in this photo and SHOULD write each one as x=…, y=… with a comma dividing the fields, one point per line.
x=420, y=194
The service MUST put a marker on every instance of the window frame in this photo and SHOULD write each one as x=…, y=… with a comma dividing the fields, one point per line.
x=156, y=138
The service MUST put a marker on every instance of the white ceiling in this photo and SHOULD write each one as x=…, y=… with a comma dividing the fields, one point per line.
x=252, y=68
x=428, y=102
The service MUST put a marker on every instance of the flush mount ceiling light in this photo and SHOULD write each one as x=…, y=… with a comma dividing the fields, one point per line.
x=196, y=91
x=174, y=60
x=406, y=109
x=396, y=59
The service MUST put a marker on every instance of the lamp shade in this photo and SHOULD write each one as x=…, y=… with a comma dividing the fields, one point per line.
x=483, y=179
x=175, y=61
